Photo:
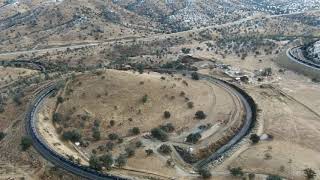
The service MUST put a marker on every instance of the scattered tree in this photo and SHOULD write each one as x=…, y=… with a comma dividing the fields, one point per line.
x=200, y=115
x=94, y=163
x=106, y=160
x=193, y=138
x=2, y=135
x=149, y=152
x=26, y=142
x=205, y=173
x=273, y=177
x=254, y=138
x=130, y=152
x=113, y=136
x=195, y=76
x=73, y=136
x=167, y=114
x=165, y=149
x=135, y=131
x=236, y=171
x=145, y=98
x=159, y=134
x=309, y=173
x=121, y=160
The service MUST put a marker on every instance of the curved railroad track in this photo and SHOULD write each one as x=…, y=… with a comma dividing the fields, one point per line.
x=84, y=171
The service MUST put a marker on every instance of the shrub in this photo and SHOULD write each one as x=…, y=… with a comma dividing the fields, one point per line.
x=138, y=144
x=121, y=160
x=190, y=105
x=96, y=134
x=236, y=171
x=159, y=134
x=1, y=108
x=60, y=99
x=130, y=151
x=26, y=142
x=145, y=98
x=195, y=76
x=94, y=163
x=109, y=146
x=135, y=131
x=309, y=173
x=205, y=173
x=106, y=160
x=167, y=127
x=200, y=115
x=165, y=149
x=113, y=136
x=73, y=136
x=185, y=50
x=2, y=135
x=149, y=152
x=167, y=114
x=193, y=138
x=273, y=177
x=254, y=138
x=112, y=123
x=57, y=117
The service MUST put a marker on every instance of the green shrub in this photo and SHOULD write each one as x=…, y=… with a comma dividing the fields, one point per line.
x=167, y=114
x=200, y=115
x=205, y=173
x=135, y=131
x=195, y=76
x=193, y=138
x=113, y=136
x=73, y=136
x=26, y=142
x=165, y=149
x=159, y=134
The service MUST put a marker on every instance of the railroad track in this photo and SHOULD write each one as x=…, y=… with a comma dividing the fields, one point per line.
x=84, y=171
